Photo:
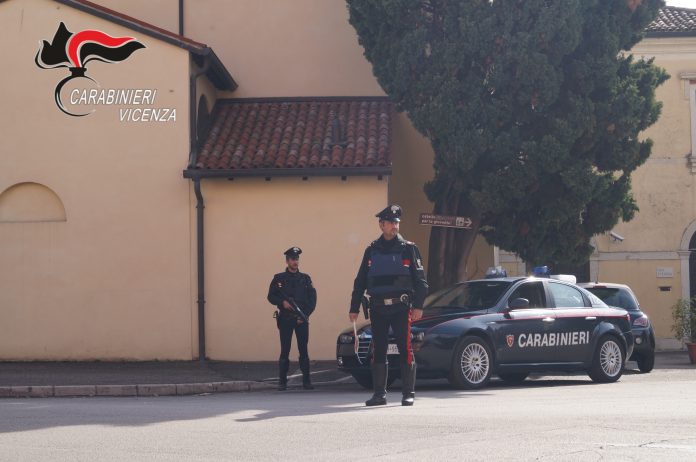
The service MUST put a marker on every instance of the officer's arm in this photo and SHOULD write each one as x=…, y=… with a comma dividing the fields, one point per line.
x=274, y=295
x=360, y=284
x=311, y=297
x=420, y=283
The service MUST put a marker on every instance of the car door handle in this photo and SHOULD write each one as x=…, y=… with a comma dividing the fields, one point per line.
x=590, y=318
x=548, y=319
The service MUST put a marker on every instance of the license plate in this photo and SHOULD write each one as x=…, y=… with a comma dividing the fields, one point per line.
x=392, y=349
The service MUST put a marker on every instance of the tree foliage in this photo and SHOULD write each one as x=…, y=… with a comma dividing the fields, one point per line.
x=532, y=109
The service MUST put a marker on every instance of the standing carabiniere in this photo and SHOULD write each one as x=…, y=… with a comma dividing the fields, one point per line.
x=392, y=274
x=291, y=287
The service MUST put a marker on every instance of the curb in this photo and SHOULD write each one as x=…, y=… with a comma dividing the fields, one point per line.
x=179, y=389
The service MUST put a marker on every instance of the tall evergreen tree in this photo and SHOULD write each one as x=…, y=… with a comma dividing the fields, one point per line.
x=533, y=112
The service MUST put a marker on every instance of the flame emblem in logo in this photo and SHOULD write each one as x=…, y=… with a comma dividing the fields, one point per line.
x=74, y=51
x=510, y=340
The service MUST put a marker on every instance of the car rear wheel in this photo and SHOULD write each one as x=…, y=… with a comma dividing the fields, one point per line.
x=472, y=364
x=364, y=379
x=514, y=377
x=608, y=360
x=646, y=361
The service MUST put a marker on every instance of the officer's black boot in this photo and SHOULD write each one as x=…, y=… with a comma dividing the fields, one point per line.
x=408, y=384
x=306, y=381
x=283, y=366
x=379, y=385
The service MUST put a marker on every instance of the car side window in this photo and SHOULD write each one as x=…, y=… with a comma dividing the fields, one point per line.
x=566, y=296
x=532, y=291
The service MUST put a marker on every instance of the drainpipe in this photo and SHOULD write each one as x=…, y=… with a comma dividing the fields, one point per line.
x=199, y=210
x=181, y=17
x=200, y=267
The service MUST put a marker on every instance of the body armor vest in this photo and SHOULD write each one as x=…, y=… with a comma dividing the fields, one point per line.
x=388, y=272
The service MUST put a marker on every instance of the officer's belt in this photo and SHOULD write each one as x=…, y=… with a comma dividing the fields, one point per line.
x=391, y=301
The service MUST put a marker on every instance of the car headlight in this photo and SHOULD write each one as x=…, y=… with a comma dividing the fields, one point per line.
x=345, y=338
x=418, y=337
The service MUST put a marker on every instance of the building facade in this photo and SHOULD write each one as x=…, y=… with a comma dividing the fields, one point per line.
x=150, y=227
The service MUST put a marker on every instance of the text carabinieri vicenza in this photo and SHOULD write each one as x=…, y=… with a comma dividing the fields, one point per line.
x=136, y=97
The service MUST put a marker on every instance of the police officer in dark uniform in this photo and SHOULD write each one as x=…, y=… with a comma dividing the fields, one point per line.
x=392, y=273
x=288, y=287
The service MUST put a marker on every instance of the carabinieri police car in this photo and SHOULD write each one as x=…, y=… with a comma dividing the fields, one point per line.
x=508, y=326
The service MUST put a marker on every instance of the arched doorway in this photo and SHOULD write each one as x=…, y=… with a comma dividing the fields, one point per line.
x=687, y=257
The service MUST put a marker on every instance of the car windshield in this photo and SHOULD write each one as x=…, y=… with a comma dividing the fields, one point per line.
x=613, y=296
x=468, y=296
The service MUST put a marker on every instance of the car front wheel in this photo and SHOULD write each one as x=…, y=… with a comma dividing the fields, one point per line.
x=472, y=364
x=608, y=360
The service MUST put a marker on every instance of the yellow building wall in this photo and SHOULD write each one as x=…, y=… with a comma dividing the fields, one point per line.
x=113, y=280
x=640, y=276
x=300, y=48
x=665, y=192
x=664, y=187
x=249, y=223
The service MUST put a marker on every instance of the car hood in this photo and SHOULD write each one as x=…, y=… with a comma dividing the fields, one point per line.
x=437, y=316
x=431, y=318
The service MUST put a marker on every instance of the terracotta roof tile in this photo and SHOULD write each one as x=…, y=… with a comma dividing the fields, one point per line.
x=671, y=19
x=331, y=133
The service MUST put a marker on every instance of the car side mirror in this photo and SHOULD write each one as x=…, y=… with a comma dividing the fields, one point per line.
x=519, y=304
x=515, y=304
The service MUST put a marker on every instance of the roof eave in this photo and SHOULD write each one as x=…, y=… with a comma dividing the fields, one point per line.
x=217, y=73
x=193, y=173
x=664, y=34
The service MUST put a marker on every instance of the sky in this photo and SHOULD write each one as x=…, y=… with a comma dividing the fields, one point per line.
x=682, y=3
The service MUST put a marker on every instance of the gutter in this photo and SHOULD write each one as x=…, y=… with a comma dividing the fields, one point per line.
x=342, y=172
x=667, y=34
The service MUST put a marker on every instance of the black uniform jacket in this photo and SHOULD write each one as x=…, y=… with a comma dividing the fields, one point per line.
x=409, y=252
x=298, y=286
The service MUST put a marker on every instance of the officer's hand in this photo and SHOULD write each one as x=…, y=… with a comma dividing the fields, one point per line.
x=287, y=305
x=353, y=317
x=416, y=314
x=299, y=321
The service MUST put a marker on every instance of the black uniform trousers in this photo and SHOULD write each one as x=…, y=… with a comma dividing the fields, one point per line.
x=286, y=326
x=399, y=318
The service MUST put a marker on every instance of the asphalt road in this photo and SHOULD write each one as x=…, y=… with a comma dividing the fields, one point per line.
x=642, y=417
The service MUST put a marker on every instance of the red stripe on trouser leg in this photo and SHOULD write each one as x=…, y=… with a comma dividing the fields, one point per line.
x=409, y=356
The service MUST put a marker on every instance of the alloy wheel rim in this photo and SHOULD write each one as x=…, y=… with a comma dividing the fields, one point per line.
x=475, y=363
x=610, y=358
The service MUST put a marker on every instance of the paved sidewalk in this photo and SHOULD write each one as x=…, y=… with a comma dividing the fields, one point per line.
x=161, y=378
x=150, y=378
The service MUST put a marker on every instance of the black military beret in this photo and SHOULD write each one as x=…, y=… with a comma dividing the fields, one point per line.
x=391, y=213
x=293, y=252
